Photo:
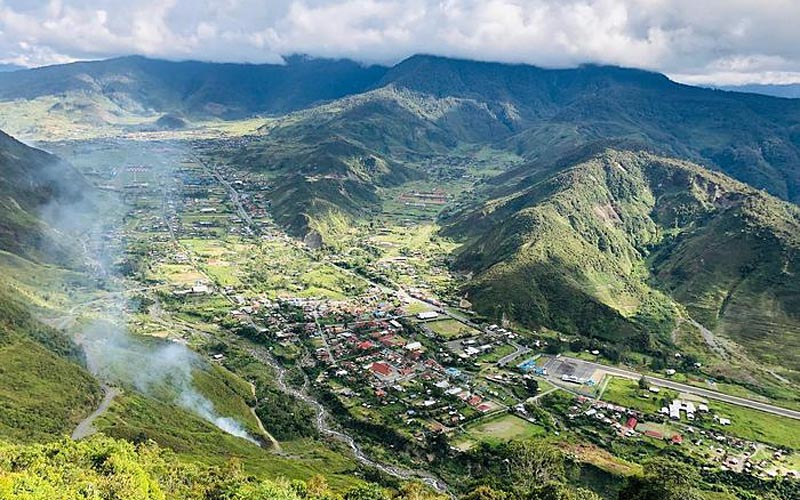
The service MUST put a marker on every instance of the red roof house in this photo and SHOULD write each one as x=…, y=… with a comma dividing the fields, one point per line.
x=381, y=368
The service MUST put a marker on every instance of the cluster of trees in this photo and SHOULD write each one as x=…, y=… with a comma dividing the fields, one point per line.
x=105, y=468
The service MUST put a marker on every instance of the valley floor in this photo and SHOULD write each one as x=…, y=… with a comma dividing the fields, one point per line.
x=385, y=367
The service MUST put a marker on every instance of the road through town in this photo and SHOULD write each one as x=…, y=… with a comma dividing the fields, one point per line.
x=690, y=389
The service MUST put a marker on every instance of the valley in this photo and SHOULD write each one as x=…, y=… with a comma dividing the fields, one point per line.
x=405, y=281
x=368, y=332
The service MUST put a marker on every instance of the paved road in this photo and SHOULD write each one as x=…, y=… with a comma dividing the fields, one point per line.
x=514, y=355
x=322, y=417
x=690, y=389
x=86, y=426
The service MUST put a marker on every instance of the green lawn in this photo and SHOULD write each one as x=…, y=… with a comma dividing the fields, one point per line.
x=498, y=430
x=450, y=328
x=625, y=392
x=746, y=423
x=757, y=425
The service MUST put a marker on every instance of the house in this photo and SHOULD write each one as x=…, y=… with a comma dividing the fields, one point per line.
x=365, y=345
x=631, y=423
x=677, y=439
x=427, y=315
x=413, y=346
x=381, y=369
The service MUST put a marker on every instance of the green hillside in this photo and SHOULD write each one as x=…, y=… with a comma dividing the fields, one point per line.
x=144, y=86
x=102, y=467
x=32, y=185
x=44, y=390
x=750, y=137
x=607, y=247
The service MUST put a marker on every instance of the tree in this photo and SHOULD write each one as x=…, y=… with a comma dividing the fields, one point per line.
x=644, y=384
x=417, y=491
x=485, y=493
x=663, y=479
x=560, y=491
x=533, y=464
x=317, y=486
x=532, y=386
x=366, y=492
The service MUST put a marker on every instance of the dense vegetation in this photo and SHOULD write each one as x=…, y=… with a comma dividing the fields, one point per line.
x=604, y=247
x=616, y=246
x=198, y=89
x=44, y=390
x=103, y=467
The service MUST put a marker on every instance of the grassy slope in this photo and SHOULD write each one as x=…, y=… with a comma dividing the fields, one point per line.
x=137, y=418
x=588, y=249
x=44, y=391
x=327, y=161
x=102, y=467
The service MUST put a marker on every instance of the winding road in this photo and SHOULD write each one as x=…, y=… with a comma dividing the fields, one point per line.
x=322, y=416
x=86, y=427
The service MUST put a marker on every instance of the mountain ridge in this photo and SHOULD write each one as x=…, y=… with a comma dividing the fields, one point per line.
x=626, y=232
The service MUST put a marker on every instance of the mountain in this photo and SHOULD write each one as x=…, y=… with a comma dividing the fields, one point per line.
x=425, y=107
x=753, y=138
x=616, y=243
x=32, y=186
x=427, y=104
x=787, y=90
x=44, y=387
x=10, y=67
x=140, y=85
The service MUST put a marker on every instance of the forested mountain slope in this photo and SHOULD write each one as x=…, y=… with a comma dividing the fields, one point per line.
x=605, y=246
x=199, y=89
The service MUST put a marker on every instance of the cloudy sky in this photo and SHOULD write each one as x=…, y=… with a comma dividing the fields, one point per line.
x=697, y=41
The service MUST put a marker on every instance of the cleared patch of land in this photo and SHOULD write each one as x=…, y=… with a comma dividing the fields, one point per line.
x=499, y=429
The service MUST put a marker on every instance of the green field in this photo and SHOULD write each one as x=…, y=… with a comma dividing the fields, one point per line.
x=746, y=423
x=450, y=328
x=627, y=393
x=757, y=425
x=497, y=430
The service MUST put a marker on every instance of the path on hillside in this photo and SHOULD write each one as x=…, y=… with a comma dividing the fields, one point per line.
x=728, y=350
x=275, y=444
x=86, y=427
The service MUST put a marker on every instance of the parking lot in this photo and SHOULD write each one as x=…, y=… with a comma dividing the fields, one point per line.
x=557, y=367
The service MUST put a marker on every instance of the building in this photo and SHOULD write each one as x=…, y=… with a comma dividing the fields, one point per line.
x=381, y=369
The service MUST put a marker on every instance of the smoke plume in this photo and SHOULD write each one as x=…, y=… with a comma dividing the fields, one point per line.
x=92, y=222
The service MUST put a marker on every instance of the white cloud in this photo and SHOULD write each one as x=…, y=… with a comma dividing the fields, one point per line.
x=698, y=41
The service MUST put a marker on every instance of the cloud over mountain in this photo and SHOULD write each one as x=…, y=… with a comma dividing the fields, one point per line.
x=720, y=41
